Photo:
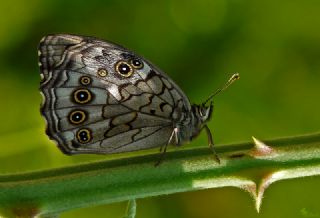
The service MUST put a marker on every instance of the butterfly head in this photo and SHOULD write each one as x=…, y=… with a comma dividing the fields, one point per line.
x=204, y=112
x=199, y=116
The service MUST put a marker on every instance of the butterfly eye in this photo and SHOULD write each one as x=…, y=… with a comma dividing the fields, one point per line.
x=203, y=111
x=77, y=117
x=124, y=69
x=85, y=80
x=84, y=135
x=136, y=63
x=82, y=96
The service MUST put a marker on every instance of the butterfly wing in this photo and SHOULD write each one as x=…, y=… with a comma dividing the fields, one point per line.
x=101, y=98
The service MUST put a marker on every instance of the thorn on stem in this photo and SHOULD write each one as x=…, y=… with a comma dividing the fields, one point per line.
x=260, y=148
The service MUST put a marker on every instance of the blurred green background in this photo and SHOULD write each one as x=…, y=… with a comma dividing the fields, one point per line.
x=274, y=45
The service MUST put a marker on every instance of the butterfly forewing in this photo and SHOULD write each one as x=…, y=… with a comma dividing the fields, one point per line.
x=102, y=98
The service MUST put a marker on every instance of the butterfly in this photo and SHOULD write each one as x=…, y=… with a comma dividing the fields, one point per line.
x=101, y=98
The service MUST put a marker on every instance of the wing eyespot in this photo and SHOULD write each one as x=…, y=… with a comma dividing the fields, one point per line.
x=124, y=69
x=136, y=63
x=84, y=135
x=85, y=80
x=82, y=96
x=102, y=72
x=77, y=117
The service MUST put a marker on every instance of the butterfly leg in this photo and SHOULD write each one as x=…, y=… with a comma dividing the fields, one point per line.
x=211, y=144
x=174, y=133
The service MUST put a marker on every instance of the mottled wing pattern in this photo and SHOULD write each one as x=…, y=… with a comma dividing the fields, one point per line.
x=101, y=98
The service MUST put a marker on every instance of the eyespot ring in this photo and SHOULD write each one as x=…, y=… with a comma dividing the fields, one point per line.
x=102, y=72
x=85, y=80
x=84, y=135
x=82, y=96
x=77, y=117
x=124, y=69
x=136, y=63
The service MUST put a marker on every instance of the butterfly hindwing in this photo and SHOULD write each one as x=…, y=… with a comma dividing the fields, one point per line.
x=101, y=98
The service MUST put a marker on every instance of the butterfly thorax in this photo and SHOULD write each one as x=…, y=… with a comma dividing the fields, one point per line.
x=192, y=123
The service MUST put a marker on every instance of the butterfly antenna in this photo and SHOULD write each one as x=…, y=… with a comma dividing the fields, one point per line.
x=233, y=78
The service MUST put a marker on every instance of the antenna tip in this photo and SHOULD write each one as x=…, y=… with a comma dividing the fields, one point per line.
x=235, y=76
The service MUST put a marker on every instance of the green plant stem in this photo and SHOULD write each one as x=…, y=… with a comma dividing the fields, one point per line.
x=250, y=166
x=131, y=209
